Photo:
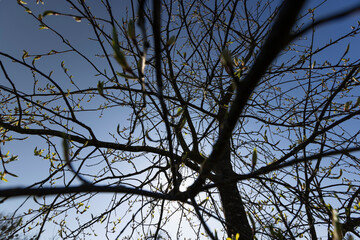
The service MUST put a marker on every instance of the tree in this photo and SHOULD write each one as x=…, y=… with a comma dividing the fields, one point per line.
x=237, y=119
x=8, y=224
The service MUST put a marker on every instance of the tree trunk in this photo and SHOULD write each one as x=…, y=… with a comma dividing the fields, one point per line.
x=233, y=206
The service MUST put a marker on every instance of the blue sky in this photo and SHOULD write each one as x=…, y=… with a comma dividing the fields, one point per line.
x=19, y=31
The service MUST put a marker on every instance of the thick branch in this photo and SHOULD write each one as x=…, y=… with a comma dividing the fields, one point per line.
x=277, y=40
x=16, y=192
x=88, y=142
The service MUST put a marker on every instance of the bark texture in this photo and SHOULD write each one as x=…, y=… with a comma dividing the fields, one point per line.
x=233, y=206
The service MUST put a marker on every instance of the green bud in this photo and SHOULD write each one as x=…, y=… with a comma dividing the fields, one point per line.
x=100, y=88
x=254, y=159
x=226, y=61
x=131, y=30
x=171, y=41
x=119, y=55
x=337, y=233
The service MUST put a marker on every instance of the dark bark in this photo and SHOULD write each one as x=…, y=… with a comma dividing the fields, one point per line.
x=234, y=211
x=233, y=206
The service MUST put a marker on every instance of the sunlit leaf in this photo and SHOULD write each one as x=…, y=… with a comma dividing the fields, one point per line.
x=25, y=54
x=337, y=232
x=42, y=26
x=50, y=13
x=77, y=19
x=254, y=159
x=13, y=158
x=265, y=136
x=28, y=10
x=3, y=177
x=141, y=64
x=102, y=218
x=180, y=110
x=35, y=59
x=203, y=201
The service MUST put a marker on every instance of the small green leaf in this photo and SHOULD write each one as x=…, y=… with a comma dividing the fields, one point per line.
x=13, y=158
x=180, y=110
x=182, y=123
x=131, y=30
x=25, y=55
x=119, y=55
x=265, y=136
x=171, y=41
x=226, y=57
x=100, y=88
x=203, y=201
x=347, y=106
x=337, y=232
x=42, y=26
x=27, y=10
x=50, y=13
x=102, y=218
x=52, y=52
x=3, y=174
x=77, y=19
x=226, y=61
x=254, y=159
